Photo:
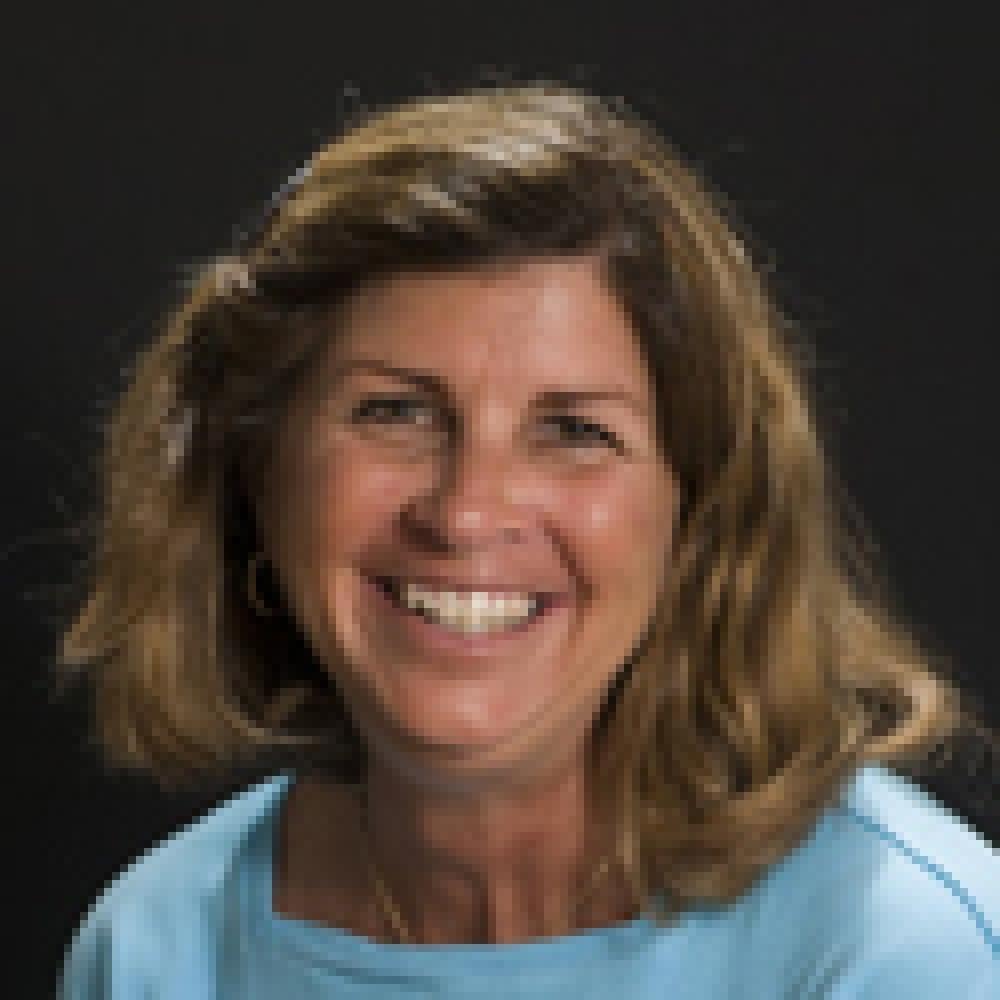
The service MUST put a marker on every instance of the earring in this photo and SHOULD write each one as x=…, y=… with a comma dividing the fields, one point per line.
x=255, y=601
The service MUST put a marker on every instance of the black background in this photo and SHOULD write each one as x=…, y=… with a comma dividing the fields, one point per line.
x=854, y=144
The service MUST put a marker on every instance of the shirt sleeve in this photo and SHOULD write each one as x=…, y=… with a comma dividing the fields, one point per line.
x=111, y=955
x=84, y=974
x=925, y=960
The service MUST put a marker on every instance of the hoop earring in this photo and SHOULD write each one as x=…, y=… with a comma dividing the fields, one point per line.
x=255, y=601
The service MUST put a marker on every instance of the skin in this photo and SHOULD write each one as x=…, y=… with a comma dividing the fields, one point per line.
x=478, y=806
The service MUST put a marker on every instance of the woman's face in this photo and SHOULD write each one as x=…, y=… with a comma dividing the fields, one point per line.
x=449, y=437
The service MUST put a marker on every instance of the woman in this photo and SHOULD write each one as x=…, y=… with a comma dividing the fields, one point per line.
x=479, y=495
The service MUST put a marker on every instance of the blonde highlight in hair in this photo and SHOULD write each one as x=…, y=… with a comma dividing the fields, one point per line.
x=774, y=666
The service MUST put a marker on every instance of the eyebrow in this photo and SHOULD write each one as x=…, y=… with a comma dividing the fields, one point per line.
x=433, y=383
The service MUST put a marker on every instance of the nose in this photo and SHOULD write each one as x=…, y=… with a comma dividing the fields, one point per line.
x=471, y=505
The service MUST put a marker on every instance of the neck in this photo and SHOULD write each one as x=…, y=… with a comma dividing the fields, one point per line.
x=505, y=866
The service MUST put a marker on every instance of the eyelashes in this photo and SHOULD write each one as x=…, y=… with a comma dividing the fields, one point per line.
x=392, y=411
x=363, y=412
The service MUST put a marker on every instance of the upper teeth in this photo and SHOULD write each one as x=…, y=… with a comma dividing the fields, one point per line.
x=471, y=606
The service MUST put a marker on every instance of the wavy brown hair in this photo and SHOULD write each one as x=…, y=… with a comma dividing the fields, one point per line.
x=775, y=665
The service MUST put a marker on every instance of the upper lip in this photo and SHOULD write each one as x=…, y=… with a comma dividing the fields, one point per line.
x=437, y=582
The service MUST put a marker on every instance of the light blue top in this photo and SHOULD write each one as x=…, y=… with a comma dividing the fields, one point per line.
x=890, y=896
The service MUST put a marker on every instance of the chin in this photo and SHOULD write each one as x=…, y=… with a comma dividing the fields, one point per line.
x=483, y=710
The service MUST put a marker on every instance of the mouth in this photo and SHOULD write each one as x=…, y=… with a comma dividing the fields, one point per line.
x=423, y=630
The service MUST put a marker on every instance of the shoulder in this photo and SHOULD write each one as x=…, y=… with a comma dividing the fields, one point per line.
x=928, y=851
x=171, y=894
x=892, y=895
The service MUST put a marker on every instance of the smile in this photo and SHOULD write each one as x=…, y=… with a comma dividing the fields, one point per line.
x=469, y=612
x=468, y=623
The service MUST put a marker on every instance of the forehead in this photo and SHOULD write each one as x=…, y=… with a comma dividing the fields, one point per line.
x=550, y=320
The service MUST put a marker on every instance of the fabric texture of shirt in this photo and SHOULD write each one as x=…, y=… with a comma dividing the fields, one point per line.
x=891, y=897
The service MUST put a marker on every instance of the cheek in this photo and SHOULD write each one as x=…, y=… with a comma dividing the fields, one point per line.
x=338, y=499
x=334, y=501
x=614, y=522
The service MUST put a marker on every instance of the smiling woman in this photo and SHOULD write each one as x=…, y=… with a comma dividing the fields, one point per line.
x=478, y=500
x=423, y=503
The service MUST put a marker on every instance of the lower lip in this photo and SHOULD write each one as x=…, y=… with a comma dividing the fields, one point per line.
x=443, y=641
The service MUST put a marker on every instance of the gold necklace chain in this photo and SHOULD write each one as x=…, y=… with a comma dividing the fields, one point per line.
x=389, y=908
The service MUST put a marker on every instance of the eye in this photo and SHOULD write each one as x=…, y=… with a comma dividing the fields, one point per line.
x=368, y=410
x=399, y=410
x=586, y=431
